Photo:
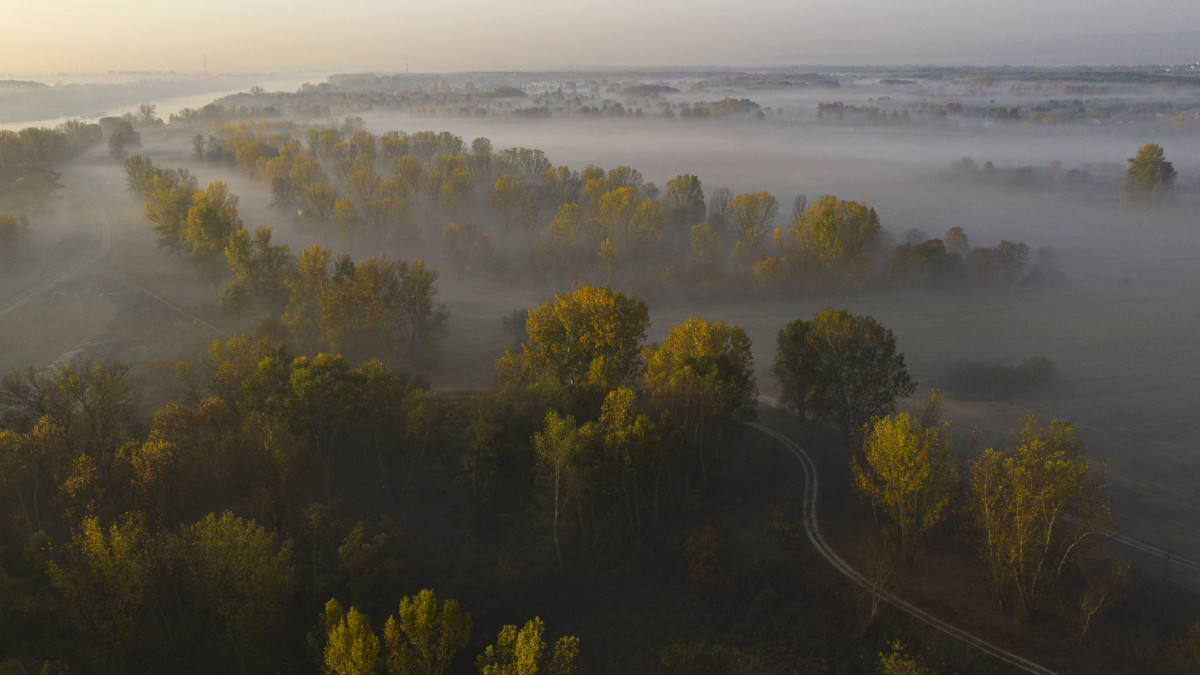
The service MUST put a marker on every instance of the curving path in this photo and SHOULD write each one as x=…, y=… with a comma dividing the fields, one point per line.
x=812, y=528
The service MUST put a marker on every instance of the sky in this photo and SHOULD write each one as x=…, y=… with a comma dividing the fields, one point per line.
x=37, y=36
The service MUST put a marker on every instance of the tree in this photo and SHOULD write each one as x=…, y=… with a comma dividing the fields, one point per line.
x=345, y=217
x=898, y=662
x=909, y=475
x=169, y=196
x=1150, y=176
x=425, y=640
x=240, y=575
x=103, y=577
x=1038, y=507
x=624, y=176
x=832, y=228
x=705, y=241
x=319, y=199
x=528, y=164
x=840, y=368
x=752, y=212
x=523, y=652
x=557, y=450
x=592, y=335
x=685, y=200
x=210, y=222
x=351, y=647
x=505, y=195
x=562, y=184
x=718, y=207
x=121, y=138
x=701, y=379
x=530, y=210
x=260, y=267
x=147, y=113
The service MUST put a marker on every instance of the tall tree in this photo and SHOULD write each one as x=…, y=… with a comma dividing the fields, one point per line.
x=557, y=451
x=591, y=335
x=840, y=368
x=1038, y=507
x=908, y=475
x=701, y=379
x=832, y=228
x=523, y=652
x=1150, y=176
x=684, y=200
x=425, y=639
x=351, y=647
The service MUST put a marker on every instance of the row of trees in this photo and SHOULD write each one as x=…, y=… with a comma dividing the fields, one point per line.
x=426, y=639
x=28, y=179
x=501, y=208
x=1037, y=507
x=376, y=307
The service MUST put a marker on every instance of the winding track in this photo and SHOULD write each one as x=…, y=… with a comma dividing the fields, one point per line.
x=812, y=528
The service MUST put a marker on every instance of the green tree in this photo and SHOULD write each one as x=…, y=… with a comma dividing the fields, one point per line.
x=260, y=267
x=241, y=577
x=909, y=475
x=425, y=640
x=1150, y=176
x=523, y=652
x=1038, y=507
x=840, y=368
x=169, y=197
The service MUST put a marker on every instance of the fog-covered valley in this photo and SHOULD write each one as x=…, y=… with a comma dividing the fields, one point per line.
x=1110, y=298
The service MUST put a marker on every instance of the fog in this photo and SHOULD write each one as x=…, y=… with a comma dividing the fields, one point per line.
x=47, y=101
x=1120, y=326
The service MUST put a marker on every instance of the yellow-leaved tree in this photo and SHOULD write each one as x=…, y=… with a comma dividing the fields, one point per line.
x=908, y=475
x=1038, y=507
x=523, y=652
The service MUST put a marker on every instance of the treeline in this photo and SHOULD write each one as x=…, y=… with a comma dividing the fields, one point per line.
x=324, y=101
x=374, y=307
x=214, y=535
x=1035, y=509
x=881, y=111
x=28, y=179
x=1053, y=175
x=512, y=215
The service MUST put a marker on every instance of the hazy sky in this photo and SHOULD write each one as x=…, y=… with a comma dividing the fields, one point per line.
x=453, y=35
